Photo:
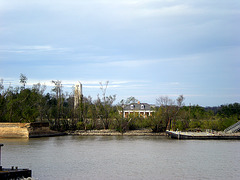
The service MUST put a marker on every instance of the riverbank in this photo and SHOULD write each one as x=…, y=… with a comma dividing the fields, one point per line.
x=109, y=132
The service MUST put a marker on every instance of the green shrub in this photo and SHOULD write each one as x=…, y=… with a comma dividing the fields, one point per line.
x=80, y=126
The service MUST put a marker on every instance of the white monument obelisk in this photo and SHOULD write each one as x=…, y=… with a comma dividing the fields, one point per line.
x=77, y=94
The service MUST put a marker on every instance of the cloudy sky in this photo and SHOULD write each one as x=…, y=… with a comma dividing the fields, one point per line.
x=145, y=48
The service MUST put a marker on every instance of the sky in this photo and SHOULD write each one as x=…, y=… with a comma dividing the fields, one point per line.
x=144, y=48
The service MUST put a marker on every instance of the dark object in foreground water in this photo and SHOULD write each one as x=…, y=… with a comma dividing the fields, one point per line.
x=13, y=173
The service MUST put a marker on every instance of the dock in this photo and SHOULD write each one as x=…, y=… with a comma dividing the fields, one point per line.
x=203, y=135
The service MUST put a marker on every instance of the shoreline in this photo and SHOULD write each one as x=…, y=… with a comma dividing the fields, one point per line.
x=46, y=134
x=114, y=133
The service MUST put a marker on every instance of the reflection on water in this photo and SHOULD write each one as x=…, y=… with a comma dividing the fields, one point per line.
x=141, y=157
x=14, y=141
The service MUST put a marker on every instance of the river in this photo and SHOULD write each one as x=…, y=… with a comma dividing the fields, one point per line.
x=127, y=157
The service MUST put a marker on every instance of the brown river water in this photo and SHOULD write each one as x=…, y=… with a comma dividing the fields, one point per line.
x=127, y=157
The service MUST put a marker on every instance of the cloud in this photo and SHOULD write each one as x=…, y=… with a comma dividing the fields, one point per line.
x=139, y=62
x=89, y=84
x=70, y=83
x=142, y=46
x=32, y=49
x=40, y=48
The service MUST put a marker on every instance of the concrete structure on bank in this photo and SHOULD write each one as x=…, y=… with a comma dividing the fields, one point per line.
x=25, y=130
x=202, y=135
x=138, y=109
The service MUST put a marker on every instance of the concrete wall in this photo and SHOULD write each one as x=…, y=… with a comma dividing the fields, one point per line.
x=22, y=130
x=14, y=130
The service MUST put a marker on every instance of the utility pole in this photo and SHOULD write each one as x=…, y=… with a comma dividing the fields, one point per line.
x=0, y=158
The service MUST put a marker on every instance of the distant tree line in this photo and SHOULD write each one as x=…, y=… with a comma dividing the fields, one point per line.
x=21, y=104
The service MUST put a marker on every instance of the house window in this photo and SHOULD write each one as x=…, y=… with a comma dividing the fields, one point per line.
x=132, y=106
x=142, y=106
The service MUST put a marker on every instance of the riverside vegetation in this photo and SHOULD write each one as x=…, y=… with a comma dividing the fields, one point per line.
x=22, y=104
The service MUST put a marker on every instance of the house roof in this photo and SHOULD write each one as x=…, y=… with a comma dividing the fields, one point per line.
x=138, y=106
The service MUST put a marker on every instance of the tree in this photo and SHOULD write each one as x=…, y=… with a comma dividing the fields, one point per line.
x=1, y=85
x=104, y=105
x=91, y=113
x=168, y=110
x=39, y=90
x=84, y=108
x=165, y=112
x=130, y=100
x=121, y=122
x=23, y=80
x=2, y=101
x=230, y=110
x=59, y=96
x=28, y=105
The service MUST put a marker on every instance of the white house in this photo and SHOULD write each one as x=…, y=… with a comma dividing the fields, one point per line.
x=138, y=109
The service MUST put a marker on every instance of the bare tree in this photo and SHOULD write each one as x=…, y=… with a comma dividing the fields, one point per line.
x=168, y=109
x=180, y=100
x=58, y=90
x=104, y=89
x=104, y=106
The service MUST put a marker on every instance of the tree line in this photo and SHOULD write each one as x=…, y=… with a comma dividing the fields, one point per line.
x=22, y=104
